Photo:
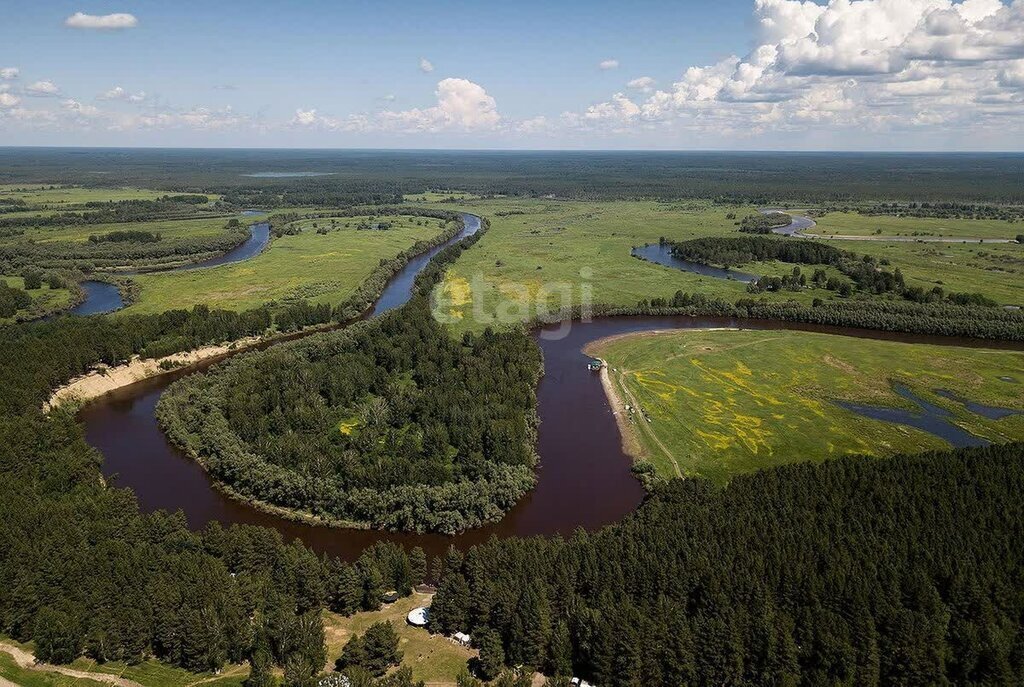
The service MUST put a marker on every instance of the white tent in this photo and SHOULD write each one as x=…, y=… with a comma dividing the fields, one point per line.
x=418, y=616
x=462, y=638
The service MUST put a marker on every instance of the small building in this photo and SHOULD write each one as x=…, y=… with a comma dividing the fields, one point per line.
x=418, y=617
x=595, y=365
x=579, y=682
x=389, y=597
x=462, y=638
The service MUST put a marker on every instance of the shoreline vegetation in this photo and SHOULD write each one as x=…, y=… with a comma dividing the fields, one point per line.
x=450, y=465
x=640, y=601
x=98, y=382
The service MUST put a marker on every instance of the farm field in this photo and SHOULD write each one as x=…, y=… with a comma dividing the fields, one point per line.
x=856, y=224
x=553, y=252
x=434, y=659
x=723, y=402
x=321, y=268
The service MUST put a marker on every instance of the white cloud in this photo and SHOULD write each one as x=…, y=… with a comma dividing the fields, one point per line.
x=79, y=108
x=461, y=106
x=608, y=64
x=878, y=65
x=118, y=93
x=644, y=84
x=80, y=20
x=426, y=66
x=1012, y=75
x=7, y=100
x=9, y=73
x=42, y=89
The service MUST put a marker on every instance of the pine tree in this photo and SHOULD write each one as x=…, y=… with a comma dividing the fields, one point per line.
x=418, y=565
x=492, y=654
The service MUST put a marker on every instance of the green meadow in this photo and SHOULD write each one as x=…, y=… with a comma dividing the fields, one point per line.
x=554, y=252
x=723, y=402
x=856, y=224
x=61, y=197
x=321, y=268
x=169, y=229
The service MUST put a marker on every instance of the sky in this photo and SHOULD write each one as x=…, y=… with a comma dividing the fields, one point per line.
x=932, y=75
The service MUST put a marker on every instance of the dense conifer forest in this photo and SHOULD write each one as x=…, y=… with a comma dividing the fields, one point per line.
x=390, y=422
x=853, y=571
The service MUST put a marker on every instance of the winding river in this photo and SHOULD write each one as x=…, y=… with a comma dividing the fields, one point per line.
x=102, y=297
x=584, y=478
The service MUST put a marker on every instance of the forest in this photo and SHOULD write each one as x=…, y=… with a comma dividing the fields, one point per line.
x=853, y=571
x=389, y=422
x=363, y=176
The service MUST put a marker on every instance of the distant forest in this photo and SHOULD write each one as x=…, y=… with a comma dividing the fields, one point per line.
x=354, y=177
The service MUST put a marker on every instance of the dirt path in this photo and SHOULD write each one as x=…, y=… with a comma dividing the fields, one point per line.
x=26, y=660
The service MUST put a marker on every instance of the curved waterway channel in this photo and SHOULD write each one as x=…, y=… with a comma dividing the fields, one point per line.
x=584, y=478
x=101, y=297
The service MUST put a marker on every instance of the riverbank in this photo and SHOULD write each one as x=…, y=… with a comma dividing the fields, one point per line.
x=104, y=380
x=629, y=415
x=718, y=404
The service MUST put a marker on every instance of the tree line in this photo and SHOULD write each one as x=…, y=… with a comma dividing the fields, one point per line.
x=852, y=571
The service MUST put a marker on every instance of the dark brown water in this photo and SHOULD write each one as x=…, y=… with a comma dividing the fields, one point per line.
x=584, y=478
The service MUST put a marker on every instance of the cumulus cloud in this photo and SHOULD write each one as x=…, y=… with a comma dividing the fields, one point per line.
x=108, y=22
x=426, y=66
x=461, y=106
x=608, y=64
x=7, y=100
x=42, y=89
x=641, y=83
x=9, y=73
x=118, y=93
x=875, y=64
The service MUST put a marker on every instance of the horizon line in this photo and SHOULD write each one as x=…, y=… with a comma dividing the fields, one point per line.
x=530, y=150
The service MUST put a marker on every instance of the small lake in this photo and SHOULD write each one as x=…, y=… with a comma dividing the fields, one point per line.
x=100, y=297
x=929, y=418
x=286, y=175
x=661, y=253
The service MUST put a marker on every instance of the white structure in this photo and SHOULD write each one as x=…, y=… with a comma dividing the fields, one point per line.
x=418, y=616
x=579, y=682
x=462, y=638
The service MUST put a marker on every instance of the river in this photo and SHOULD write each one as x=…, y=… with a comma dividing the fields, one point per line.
x=584, y=478
x=102, y=297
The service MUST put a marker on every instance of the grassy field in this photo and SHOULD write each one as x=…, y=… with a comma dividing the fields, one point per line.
x=543, y=253
x=726, y=402
x=44, y=299
x=856, y=224
x=433, y=659
x=24, y=677
x=546, y=253
x=321, y=268
x=169, y=229
x=62, y=197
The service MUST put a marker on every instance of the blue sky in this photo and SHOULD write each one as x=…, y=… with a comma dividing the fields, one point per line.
x=739, y=74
